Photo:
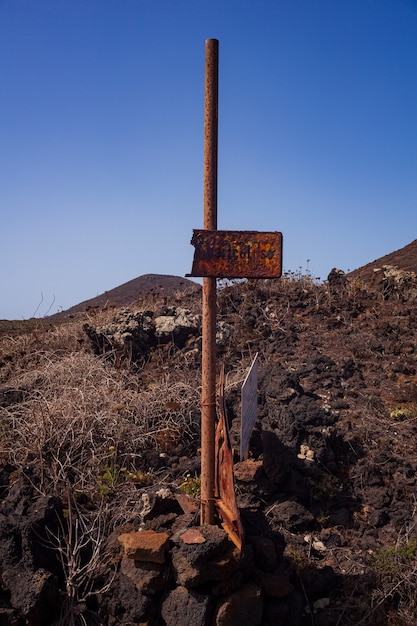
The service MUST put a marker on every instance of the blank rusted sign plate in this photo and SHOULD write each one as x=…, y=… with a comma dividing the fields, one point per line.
x=237, y=254
x=249, y=395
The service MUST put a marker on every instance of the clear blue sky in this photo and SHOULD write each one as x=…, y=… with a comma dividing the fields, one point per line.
x=101, y=135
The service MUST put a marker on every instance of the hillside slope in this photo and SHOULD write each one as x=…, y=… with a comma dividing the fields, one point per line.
x=101, y=438
x=102, y=413
x=405, y=259
x=154, y=285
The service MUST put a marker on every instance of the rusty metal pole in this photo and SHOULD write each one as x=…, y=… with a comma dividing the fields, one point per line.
x=209, y=303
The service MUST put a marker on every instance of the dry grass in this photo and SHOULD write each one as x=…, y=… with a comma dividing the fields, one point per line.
x=78, y=427
x=80, y=415
x=83, y=427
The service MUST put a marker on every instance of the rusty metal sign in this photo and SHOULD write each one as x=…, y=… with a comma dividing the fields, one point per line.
x=236, y=254
x=225, y=500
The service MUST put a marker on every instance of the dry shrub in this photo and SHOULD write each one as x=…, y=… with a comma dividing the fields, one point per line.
x=395, y=569
x=27, y=351
x=80, y=416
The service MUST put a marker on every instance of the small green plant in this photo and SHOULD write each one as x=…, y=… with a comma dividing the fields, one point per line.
x=388, y=562
x=409, y=551
x=191, y=485
x=112, y=474
x=325, y=489
x=322, y=518
x=140, y=478
x=404, y=413
x=298, y=560
x=385, y=563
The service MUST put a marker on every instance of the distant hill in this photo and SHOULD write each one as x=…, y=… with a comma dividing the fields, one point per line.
x=403, y=259
x=165, y=285
x=148, y=284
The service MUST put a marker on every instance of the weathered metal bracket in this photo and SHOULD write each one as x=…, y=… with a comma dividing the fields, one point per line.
x=225, y=500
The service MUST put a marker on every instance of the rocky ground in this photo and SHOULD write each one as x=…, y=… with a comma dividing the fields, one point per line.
x=100, y=463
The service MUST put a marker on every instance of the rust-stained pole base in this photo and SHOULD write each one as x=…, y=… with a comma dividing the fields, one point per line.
x=209, y=304
x=208, y=401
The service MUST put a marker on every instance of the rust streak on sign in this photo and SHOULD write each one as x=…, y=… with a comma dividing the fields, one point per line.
x=237, y=254
x=225, y=491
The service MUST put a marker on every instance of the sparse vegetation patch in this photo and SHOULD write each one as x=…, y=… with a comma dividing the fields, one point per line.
x=102, y=439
